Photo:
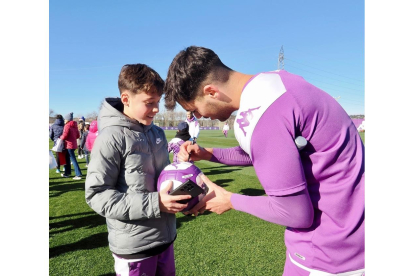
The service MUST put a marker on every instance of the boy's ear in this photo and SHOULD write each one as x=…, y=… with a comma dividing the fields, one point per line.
x=211, y=91
x=125, y=98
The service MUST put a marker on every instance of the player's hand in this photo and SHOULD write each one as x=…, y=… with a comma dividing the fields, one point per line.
x=217, y=199
x=188, y=149
x=168, y=203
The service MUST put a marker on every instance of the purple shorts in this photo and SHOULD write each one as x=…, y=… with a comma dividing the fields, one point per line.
x=161, y=264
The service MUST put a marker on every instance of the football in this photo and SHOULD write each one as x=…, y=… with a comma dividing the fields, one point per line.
x=179, y=173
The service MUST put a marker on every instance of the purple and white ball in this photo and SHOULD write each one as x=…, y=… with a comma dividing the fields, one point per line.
x=179, y=173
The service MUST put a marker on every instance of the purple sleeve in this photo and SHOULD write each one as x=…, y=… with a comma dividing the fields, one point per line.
x=294, y=210
x=231, y=156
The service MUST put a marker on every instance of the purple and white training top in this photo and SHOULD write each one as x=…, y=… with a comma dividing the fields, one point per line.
x=174, y=147
x=275, y=108
x=194, y=127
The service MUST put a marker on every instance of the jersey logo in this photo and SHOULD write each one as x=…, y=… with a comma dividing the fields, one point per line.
x=300, y=256
x=158, y=140
x=246, y=117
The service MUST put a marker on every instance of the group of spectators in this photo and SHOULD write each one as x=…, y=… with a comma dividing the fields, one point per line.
x=78, y=136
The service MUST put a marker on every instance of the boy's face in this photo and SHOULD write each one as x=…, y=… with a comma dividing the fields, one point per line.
x=142, y=107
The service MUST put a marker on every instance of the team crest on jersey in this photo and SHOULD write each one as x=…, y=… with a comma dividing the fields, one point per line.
x=246, y=117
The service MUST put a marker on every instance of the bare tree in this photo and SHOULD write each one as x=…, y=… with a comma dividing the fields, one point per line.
x=181, y=115
x=91, y=116
x=230, y=121
x=161, y=118
x=171, y=115
x=51, y=112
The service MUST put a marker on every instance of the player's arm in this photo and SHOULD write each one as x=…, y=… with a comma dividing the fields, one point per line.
x=293, y=210
x=230, y=156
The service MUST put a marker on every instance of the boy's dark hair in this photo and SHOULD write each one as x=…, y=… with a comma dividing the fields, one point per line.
x=135, y=77
x=58, y=116
x=188, y=70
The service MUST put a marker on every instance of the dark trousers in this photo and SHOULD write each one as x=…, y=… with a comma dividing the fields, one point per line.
x=57, y=160
x=80, y=151
x=68, y=169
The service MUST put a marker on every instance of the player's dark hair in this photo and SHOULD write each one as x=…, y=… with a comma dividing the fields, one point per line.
x=139, y=77
x=189, y=69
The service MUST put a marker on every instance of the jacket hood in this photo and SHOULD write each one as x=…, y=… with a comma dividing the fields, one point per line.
x=183, y=134
x=73, y=124
x=93, y=128
x=59, y=122
x=111, y=115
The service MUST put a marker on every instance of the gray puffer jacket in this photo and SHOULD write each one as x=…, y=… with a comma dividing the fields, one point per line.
x=121, y=183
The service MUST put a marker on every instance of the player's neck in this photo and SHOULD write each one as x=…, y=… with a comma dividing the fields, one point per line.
x=236, y=83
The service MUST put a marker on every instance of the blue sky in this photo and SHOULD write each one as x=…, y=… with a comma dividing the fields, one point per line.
x=89, y=41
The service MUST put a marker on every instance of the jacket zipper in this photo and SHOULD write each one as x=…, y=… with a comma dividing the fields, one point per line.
x=153, y=160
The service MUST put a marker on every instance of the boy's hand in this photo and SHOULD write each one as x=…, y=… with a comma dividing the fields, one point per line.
x=168, y=203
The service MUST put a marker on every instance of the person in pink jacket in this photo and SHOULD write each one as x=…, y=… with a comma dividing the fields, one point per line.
x=70, y=134
x=93, y=133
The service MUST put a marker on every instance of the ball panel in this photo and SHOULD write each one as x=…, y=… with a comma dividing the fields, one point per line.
x=179, y=173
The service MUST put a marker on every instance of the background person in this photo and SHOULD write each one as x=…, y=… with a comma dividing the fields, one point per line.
x=361, y=127
x=181, y=136
x=225, y=129
x=81, y=126
x=318, y=193
x=127, y=158
x=55, y=131
x=70, y=135
x=83, y=143
x=92, y=134
x=194, y=126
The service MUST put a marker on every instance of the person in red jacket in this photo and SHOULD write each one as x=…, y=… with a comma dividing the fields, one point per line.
x=70, y=134
x=93, y=132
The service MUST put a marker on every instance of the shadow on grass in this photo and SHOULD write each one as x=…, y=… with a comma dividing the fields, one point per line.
x=222, y=170
x=72, y=224
x=91, y=242
x=58, y=189
x=72, y=215
x=185, y=219
x=72, y=175
x=252, y=192
x=221, y=182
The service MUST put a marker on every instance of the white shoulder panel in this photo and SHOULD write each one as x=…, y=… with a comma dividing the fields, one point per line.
x=257, y=96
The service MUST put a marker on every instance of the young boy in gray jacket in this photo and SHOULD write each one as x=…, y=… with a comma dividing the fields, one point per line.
x=121, y=185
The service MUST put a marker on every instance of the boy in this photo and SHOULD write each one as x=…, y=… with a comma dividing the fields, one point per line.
x=127, y=158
